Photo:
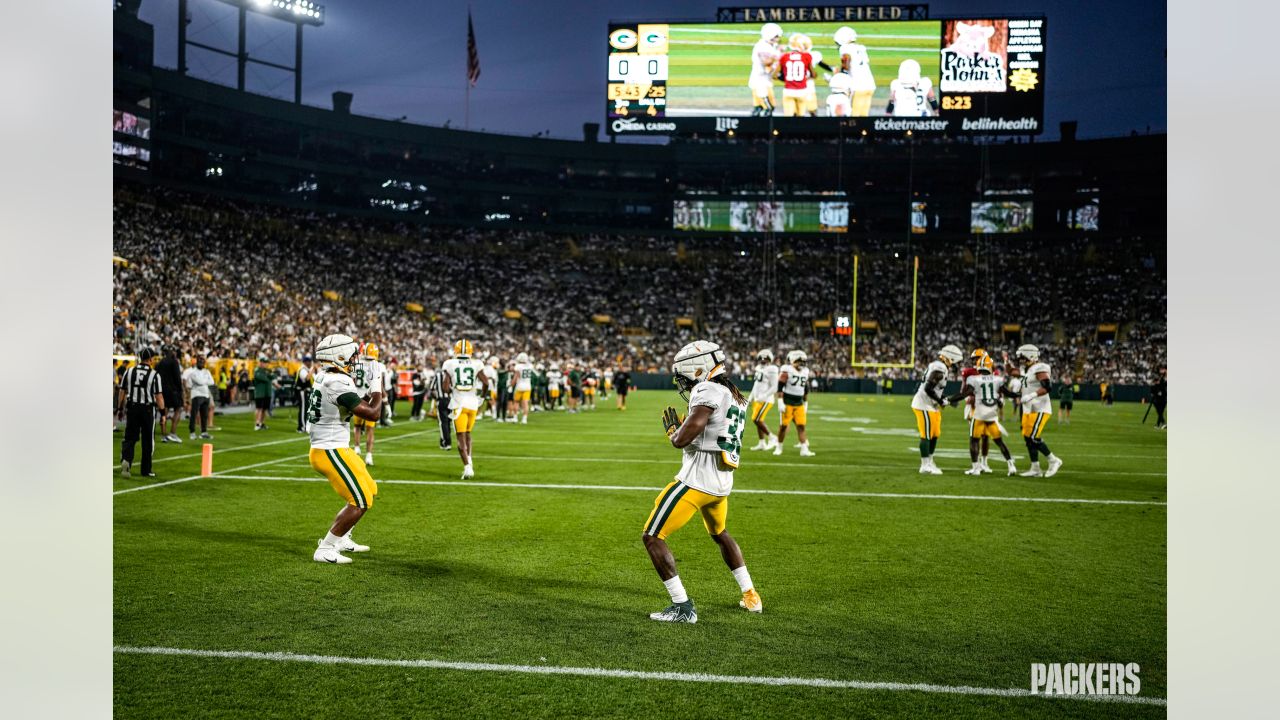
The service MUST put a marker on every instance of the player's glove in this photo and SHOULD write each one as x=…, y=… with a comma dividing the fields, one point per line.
x=670, y=421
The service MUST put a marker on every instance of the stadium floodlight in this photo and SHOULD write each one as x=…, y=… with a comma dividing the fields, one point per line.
x=302, y=12
x=298, y=12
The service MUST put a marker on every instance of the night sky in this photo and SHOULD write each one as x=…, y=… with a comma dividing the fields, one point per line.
x=543, y=63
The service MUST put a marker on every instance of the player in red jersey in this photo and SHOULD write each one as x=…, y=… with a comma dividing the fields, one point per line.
x=799, y=98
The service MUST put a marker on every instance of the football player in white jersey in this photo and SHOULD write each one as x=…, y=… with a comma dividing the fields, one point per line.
x=463, y=376
x=911, y=95
x=985, y=390
x=762, y=394
x=711, y=437
x=793, y=379
x=522, y=374
x=928, y=403
x=855, y=64
x=555, y=380
x=491, y=377
x=334, y=399
x=369, y=380
x=1037, y=409
x=764, y=68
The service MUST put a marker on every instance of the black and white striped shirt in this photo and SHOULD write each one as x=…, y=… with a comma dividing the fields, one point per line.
x=141, y=385
x=435, y=386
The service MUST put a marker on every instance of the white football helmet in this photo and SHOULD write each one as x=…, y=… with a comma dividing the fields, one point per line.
x=845, y=35
x=797, y=357
x=699, y=360
x=771, y=32
x=909, y=73
x=522, y=358
x=950, y=354
x=766, y=355
x=339, y=350
x=1028, y=354
x=493, y=360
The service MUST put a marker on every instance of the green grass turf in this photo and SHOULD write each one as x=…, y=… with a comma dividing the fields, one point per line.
x=954, y=592
x=708, y=70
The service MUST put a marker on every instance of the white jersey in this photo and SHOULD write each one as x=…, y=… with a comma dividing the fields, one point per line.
x=524, y=376
x=861, y=78
x=491, y=374
x=986, y=396
x=332, y=394
x=367, y=377
x=1030, y=385
x=709, y=460
x=766, y=377
x=464, y=382
x=553, y=380
x=922, y=401
x=797, y=383
x=910, y=101
x=763, y=57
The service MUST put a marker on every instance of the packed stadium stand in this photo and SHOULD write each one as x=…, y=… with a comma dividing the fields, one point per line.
x=247, y=225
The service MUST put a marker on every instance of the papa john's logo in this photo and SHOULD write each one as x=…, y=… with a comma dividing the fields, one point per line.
x=968, y=63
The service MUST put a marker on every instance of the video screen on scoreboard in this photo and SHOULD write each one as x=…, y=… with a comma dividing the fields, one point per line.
x=1000, y=216
x=761, y=216
x=965, y=76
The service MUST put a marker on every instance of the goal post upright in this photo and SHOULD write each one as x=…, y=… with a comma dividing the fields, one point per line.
x=853, y=322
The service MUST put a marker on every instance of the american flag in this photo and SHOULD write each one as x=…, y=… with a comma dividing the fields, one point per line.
x=473, y=55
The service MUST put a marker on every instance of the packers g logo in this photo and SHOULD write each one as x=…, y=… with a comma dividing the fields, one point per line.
x=623, y=39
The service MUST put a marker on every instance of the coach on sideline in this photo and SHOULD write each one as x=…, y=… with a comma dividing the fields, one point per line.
x=137, y=401
x=199, y=383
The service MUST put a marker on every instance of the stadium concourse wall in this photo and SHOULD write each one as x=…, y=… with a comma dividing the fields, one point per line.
x=871, y=386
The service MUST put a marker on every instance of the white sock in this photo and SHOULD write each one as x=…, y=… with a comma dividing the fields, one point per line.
x=675, y=588
x=743, y=578
x=331, y=540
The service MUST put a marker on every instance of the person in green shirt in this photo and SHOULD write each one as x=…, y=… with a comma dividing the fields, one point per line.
x=262, y=385
x=1066, y=398
x=540, y=386
x=504, y=393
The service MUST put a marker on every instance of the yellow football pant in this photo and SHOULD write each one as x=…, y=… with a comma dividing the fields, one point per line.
x=347, y=474
x=1033, y=424
x=677, y=503
x=760, y=410
x=929, y=423
x=794, y=413
x=464, y=419
x=983, y=428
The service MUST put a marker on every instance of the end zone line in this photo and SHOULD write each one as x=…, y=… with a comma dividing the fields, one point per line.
x=751, y=491
x=286, y=458
x=629, y=674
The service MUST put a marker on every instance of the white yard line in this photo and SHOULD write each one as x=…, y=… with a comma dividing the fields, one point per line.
x=242, y=467
x=741, y=491
x=628, y=674
x=481, y=456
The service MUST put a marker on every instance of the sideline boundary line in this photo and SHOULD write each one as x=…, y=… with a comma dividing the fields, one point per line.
x=629, y=674
x=286, y=458
x=752, y=491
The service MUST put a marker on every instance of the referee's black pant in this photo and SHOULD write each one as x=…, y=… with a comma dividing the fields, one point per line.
x=139, y=424
x=446, y=424
x=302, y=409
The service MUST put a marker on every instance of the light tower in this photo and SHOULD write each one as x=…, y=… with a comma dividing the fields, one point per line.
x=298, y=12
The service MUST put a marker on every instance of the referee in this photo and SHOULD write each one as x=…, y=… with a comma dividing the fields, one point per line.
x=138, y=399
x=436, y=388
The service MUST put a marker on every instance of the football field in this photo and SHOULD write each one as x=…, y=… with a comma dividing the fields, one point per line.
x=709, y=64
x=525, y=591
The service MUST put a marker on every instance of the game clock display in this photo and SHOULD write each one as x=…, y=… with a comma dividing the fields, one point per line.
x=961, y=76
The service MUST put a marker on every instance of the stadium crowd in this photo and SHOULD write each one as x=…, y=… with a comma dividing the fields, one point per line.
x=226, y=279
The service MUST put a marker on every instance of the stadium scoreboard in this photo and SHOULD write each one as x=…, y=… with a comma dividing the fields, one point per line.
x=946, y=76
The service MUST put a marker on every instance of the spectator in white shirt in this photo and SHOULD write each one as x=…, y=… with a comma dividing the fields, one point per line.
x=199, y=384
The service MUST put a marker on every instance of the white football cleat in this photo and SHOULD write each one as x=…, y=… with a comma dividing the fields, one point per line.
x=777, y=449
x=1013, y=468
x=934, y=469
x=524, y=420
x=806, y=452
x=467, y=471
x=329, y=554
x=1055, y=464
x=762, y=445
x=973, y=471
x=346, y=544
x=368, y=459
x=1033, y=472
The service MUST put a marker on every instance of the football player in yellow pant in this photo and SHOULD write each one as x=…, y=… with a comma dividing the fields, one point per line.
x=711, y=437
x=333, y=399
